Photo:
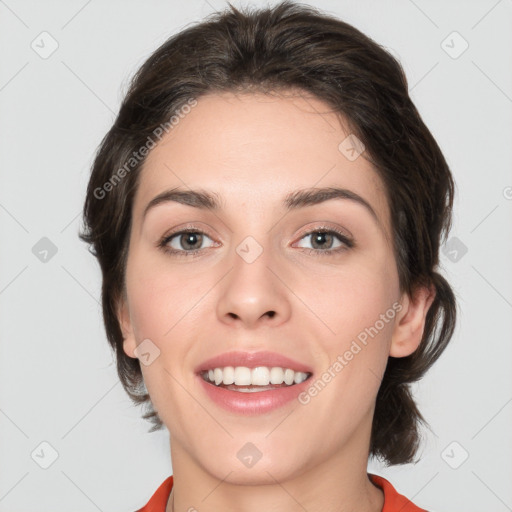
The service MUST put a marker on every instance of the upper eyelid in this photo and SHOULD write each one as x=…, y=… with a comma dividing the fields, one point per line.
x=307, y=231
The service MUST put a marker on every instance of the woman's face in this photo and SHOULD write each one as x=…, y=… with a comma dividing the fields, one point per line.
x=273, y=274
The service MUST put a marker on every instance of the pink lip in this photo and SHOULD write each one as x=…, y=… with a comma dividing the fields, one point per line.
x=252, y=360
x=252, y=403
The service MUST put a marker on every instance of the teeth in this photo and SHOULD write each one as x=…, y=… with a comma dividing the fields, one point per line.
x=242, y=376
x=259, y=376
x=276, y=376
x=217, y=375
x=228, y=375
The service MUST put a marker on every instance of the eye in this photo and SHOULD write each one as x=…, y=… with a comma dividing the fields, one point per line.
x=184, y=243
x=189, y=242
x=326, y=241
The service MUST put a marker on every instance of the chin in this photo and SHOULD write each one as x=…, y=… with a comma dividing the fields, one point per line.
x=245, y=464
x=259, y=474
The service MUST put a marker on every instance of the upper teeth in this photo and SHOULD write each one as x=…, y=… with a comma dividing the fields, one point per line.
x=259, y=376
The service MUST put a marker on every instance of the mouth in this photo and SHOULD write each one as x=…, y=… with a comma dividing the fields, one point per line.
x=252, y=383
x=243, y=379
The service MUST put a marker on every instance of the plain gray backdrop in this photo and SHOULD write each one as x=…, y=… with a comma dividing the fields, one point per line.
x=70, y=439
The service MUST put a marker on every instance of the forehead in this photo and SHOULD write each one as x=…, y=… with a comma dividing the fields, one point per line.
x=252, y=147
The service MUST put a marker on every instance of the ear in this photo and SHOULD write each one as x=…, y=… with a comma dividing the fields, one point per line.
x=410, y=322
x=123, y=316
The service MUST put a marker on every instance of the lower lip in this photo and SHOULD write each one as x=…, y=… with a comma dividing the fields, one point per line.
x=258, y=402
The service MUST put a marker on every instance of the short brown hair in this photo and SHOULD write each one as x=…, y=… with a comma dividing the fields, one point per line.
x=290, y=46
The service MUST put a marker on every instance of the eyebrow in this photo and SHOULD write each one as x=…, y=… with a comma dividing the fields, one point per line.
x=205, y=200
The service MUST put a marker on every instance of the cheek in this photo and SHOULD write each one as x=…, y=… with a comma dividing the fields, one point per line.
x=161, y=309
x=166, y=307
x=148, y=313
x=160, y=300
x=351, y=297
x=355, y=310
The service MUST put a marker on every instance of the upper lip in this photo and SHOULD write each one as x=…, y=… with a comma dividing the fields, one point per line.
x=252, y=360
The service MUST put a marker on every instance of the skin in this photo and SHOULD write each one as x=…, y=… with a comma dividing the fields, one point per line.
x=252, y=150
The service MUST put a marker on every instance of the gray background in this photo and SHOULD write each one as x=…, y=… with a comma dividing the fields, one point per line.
x=58, y=382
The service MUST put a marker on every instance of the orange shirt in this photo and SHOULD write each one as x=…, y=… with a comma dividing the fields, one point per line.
x=393, y=502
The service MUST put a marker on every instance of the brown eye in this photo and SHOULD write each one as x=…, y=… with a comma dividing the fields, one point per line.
x=326, y=241
x=185, y=242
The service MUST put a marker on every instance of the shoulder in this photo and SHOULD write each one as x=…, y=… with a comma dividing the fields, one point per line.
x=393, y=501
x=158, y=502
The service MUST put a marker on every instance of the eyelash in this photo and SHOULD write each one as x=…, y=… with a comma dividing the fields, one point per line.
x=348, y=242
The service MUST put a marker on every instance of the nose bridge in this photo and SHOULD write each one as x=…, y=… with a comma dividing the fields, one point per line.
x=251, y=293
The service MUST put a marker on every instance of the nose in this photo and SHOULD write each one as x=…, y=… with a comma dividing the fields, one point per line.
x=254, y=294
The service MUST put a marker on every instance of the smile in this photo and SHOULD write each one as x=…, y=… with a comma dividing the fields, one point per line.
x=250, y=380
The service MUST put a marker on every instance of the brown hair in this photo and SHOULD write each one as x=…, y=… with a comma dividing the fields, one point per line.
x=289, y=46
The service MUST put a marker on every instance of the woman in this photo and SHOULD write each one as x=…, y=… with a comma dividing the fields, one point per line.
x=267, y=211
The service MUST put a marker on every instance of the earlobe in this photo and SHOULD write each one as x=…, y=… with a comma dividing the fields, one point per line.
x=123, y=315
x=410, y=323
